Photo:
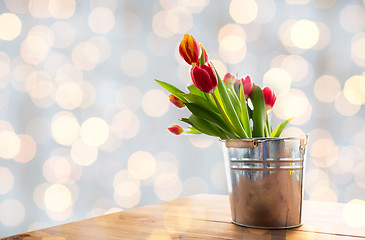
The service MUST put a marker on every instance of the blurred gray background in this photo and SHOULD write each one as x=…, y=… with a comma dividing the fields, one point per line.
x=83, y=125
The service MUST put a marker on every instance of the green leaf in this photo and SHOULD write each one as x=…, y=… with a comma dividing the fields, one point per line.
x=231, y=112
x=192, y=130
x=259, y=112
x=204, y=126
x=280, y=128
x=235, y=100
x=192, y=98
x=172, y=89
x=210, y=116
x=194, y=90
x=244, y=113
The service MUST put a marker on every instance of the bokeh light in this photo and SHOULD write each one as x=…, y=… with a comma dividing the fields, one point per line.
x=101, y=20
x=39, y=8
x=293, y=104
x=57, y=198
x=243, y=11
x=17, y=6
x=6, y=180
x=278, y=79
x=357, y=49
x=94, y=131
x=218, y=176
x=83, y=154
x=36, y=46
x=141, y=165
x=12, y=212
x=352, y=18
x=167, y=186
x=57, y=169
x=65, y=128
x=9, y=144
x=154, y=103
x=62, y=9
x=10, y=26
x=201, y=141
x=86, y=55
x=354, y=213
x=232, y=43
x=28, y=149
x=344, y=106
x=125, y=125
x=354, y=90
x=304, y=34
x=326, y=88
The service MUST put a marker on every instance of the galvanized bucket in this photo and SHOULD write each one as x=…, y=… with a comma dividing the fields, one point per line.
x=265, y=181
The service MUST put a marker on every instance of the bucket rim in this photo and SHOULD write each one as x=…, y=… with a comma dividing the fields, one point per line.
x=253, y=142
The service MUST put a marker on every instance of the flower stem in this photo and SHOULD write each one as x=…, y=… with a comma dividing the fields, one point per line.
x=224, y=115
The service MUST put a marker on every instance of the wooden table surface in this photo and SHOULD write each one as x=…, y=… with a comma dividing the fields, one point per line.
x=201, y=216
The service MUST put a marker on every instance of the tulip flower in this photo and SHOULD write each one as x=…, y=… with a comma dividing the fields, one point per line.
x=205, y=54
x=176, y=129
x=190, y=50
x=247, y=85
x=229, y=79
x=270, y=97
x=176, y=101
x=204, y=77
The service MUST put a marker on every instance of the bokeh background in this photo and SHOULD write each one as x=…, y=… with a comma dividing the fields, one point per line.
x=83, y=124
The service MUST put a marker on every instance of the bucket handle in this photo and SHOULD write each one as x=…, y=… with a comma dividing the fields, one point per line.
x=242, y=143
x=303, y=144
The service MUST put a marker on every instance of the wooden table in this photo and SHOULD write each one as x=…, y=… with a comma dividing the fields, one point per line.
x=200, y=217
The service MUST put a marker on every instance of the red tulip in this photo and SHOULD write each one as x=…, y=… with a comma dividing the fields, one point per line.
x=190, y=50
x=247, y=86
x=270, y=97
x=229, y=79
x=176, y=129
x=176, y=101
x=204, y=77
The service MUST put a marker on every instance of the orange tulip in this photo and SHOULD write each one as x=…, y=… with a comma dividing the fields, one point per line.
x=176, y=101
x=190, y=50
x=176, y=129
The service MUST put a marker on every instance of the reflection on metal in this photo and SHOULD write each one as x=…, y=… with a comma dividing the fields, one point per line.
x=265, y=181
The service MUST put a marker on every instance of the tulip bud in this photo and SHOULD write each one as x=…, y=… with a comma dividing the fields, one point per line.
x=229, y=79
x=176, y=129
x=205, y=55
x=270, y=97
x=176, y=101
x=204, y=77
x=247, y=85
x=190, y=50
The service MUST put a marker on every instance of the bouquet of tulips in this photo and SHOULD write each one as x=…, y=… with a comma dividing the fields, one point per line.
x=228, y=108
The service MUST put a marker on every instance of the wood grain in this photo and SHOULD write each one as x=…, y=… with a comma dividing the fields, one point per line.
x=197, y=217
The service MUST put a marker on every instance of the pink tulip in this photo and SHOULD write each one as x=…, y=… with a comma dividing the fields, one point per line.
x=204, y=77
x=176, y=129
x=270, y=97
x=247, y=86
x=229, y=79
x=176, y=101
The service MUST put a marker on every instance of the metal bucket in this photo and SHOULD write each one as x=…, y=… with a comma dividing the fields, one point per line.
x=265, y=181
